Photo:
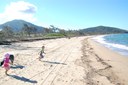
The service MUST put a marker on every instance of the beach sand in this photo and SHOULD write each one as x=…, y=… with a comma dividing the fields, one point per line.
x=75, y=61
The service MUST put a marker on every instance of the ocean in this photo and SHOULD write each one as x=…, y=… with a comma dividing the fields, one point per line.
x=116, y=42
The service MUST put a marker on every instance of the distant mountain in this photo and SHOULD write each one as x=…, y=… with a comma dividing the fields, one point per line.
x=17, y=25
x=103, y=30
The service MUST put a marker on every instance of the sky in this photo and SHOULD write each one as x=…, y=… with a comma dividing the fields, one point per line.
x=67, y=14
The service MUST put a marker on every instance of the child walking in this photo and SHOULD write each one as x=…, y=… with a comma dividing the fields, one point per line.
x=41, y=53
x=11, y=57
x=6, y=63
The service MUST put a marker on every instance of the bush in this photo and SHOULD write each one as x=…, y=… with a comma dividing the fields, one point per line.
x=54, y=35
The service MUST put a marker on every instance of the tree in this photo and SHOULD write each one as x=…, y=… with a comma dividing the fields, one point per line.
x=53, y=28
x=2, y=37
x=34, y=30
x=46, y=30
x=8, y=32
x=62, y=31
x=27, y=30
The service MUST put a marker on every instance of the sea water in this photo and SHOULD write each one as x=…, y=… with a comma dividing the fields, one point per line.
x=116, y=42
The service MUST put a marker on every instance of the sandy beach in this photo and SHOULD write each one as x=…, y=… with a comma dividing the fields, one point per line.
x=75, y=61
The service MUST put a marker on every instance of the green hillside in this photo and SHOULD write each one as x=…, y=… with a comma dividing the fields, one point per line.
x=102, y=30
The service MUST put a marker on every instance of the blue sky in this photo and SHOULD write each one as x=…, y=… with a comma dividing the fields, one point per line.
x=67, y=14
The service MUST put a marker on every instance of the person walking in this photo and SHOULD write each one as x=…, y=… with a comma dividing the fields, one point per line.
x=6, y=63
x=41, y=53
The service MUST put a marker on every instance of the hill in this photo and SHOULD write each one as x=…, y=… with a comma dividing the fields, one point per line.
x=103, y=30
x=17, y=25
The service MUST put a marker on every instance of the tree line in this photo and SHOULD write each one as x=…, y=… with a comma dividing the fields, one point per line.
x=31, y=32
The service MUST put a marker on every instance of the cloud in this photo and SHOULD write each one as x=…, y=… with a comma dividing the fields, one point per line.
x=30, y=9
x=19, y=10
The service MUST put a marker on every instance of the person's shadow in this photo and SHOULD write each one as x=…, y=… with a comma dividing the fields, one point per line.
x=54, y=62
x=23, y=79
x=17, y=66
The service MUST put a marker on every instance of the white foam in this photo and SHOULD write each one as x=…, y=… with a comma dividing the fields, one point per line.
x=101, y=40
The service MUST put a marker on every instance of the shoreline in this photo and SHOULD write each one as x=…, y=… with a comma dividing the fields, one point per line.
x=106, y=63
x=116, y=47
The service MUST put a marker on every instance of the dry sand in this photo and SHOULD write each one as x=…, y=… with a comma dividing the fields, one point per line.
x=75, y=61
